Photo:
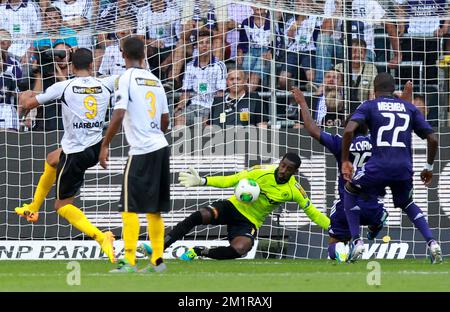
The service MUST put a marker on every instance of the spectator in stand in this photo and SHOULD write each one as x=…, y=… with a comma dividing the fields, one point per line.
x=77, y=14
x=255, y=47
x=12, y=64
x=108, y=16
x=53, y=30
x=329, y=43
x=204, y=78
x=22, y=19
x=237, y=13
x=428, y=21
x=238, y=107
x=215, y=12
x=420, y=102
x=9, y=119
x=300, y=47
x=328, y=104
x=113, y=62
x=158, y=23
x=48, y=117
x=363, y=74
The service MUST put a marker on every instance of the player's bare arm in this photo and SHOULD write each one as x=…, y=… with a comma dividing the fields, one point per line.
x=347, y=166
x=113, y=128
x=164, y=122
x=309, y=122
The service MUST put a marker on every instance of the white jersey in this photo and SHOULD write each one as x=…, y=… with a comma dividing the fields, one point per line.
x=141, y=94
x=363, y=11
x=84, y=102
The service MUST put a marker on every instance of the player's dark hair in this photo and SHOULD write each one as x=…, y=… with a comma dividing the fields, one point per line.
x=82, y=58
x=294, y=158
x=384, y=83
x=134, y=49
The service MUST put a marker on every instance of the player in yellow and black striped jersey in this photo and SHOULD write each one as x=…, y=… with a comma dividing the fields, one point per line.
x=278, y=185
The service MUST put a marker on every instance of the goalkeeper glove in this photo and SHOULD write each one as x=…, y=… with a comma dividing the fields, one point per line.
x=191, y=179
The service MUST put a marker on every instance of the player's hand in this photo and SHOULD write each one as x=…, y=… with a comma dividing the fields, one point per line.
x=426, y=177
x=191, y=178
x=298, y=96
x=347, y=170
x=104, y=156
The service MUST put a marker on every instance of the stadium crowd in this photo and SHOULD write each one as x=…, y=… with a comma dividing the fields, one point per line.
x=221, y=61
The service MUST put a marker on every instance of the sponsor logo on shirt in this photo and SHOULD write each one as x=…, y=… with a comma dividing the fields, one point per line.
x=147, y=82
x=87, y=90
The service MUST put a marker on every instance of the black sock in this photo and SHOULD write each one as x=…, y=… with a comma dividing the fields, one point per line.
x=183, y=228
x=221, y=253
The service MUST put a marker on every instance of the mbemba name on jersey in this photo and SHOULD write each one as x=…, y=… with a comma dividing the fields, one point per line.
x=271, y=196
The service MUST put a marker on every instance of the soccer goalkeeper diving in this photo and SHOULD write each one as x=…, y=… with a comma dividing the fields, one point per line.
x=278, y=185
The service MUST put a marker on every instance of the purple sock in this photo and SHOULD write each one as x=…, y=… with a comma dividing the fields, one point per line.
x=332, y=251
x=352, y=212
x=417, y=217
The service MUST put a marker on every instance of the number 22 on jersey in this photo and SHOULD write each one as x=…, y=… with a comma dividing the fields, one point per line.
x=394, y=142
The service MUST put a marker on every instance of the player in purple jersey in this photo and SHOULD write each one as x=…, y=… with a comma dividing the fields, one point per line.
x=391, y=122
x=374, y=215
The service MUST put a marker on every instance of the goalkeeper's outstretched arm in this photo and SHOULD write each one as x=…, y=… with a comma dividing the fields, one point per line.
x=311, y=211
x=192, y=178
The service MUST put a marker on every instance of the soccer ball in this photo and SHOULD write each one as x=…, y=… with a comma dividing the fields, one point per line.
x=342, y=251
x=247, y=190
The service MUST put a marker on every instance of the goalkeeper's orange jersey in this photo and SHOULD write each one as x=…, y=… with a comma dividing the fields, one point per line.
x=271, y=196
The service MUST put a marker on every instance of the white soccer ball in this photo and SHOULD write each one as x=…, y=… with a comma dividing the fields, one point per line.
x=247, y=190
x=342, y=251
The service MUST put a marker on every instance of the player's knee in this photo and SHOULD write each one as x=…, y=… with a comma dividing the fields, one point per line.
x=242, y=247
x=53, y=157
x=208, y=215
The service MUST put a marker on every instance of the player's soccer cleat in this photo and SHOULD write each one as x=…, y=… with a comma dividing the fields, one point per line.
x=435, y=252
x=374, y=230
x=108, y=246
x=124, y=267
x=189, y=255
x=356, y=250
x=154, y=268
x=146, y=249
x=26, y=213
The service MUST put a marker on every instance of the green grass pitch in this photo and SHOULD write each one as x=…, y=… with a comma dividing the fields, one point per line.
x=235, y=275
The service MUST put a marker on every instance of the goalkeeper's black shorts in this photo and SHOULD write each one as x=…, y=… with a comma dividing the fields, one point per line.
x=237, y=224
x=146, y=183
x=71, y=168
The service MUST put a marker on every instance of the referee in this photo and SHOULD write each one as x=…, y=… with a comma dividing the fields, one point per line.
x=141, y=106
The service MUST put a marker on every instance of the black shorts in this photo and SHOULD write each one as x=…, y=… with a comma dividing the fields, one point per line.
x=71, y=168
x=237, y=224
x=146, y=183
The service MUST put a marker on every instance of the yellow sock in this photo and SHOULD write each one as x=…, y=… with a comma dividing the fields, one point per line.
x=156, y=235
x=44, y=186
x=77, y=218
x=130, y=235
